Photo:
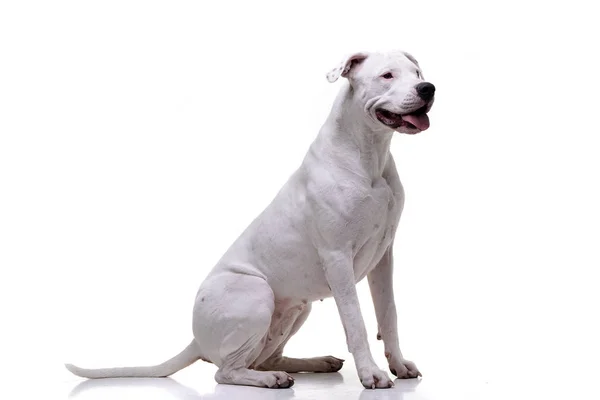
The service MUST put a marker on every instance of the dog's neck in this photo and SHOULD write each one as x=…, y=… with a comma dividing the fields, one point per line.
x=353, y=143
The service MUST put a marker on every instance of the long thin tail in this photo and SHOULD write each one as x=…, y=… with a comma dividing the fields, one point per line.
x=187, y=357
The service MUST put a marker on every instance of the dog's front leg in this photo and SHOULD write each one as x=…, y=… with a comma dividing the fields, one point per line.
x=382, y=291
x=340, y=277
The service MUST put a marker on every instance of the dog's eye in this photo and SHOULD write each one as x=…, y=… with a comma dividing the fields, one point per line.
x=418, y=74
x=387, y=75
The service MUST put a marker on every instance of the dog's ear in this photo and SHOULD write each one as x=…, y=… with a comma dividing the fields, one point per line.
x=414, y=61
x=411, y=58
x=346, y=66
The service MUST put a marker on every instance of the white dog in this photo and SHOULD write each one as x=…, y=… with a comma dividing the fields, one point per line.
x=332, y=224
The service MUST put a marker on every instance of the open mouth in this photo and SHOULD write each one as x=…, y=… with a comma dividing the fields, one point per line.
x=415, y=120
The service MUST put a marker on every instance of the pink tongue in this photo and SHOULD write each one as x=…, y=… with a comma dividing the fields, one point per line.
x=421, y=121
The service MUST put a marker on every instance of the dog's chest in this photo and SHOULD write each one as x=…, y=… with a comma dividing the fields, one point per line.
x=378, y=227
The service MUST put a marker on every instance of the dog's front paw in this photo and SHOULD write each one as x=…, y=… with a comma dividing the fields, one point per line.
x=373, y=377
x=404, y=369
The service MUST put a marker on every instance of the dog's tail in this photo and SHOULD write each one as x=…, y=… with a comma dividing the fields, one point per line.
x=187, y=357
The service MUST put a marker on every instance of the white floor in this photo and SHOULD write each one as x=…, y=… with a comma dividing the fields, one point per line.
x=343, y=385
x=197, y=382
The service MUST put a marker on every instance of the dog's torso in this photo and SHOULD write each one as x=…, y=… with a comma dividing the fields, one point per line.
x=282, y=244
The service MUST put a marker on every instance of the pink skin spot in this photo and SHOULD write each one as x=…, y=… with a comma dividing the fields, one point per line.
x=387, y=355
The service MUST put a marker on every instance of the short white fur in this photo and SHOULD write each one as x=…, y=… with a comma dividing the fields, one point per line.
x=332, y=224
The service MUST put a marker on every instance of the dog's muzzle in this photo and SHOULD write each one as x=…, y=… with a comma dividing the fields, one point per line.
x=414, y=120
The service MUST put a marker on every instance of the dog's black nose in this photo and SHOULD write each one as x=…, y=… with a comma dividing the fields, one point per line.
x=425, y=90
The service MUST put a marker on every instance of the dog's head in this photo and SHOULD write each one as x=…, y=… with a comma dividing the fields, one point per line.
x=391, y=88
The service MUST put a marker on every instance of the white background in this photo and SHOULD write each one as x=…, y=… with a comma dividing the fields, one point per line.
x=139, y=138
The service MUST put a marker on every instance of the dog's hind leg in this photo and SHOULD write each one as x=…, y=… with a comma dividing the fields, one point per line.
x=232, y=315
x=315, y=364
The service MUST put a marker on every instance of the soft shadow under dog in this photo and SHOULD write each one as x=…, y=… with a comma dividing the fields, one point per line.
x=181, y=392
x=168, y=385
x=401, y=387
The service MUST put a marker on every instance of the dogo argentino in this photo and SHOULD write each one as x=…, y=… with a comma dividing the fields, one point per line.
x=332, y=224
